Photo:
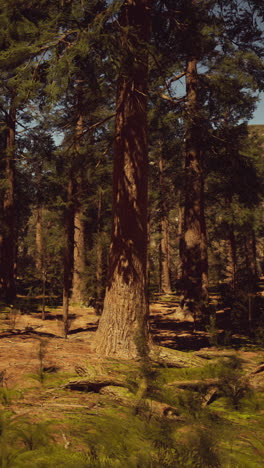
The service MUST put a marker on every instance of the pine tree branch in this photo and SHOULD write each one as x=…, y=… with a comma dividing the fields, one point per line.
x=171, y=99
x=167, y=85
x=176, y=78
x=101, y=122
x=58, y=41
x=87, y=130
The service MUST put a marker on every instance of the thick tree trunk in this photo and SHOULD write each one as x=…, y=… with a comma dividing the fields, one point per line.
x=165, y=282
x=194, y=248
x=123, y=330
x=68, y=254
x=8, y=241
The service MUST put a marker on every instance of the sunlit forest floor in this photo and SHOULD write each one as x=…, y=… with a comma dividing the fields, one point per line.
x=199, y=403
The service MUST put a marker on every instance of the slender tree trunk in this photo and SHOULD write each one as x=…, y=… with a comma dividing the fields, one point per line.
x=204, y=252
x=99, y=251
x=68, y=254
x=180, y=240
x=251, y=253
x=40, y=261
x=8, y=242
x=39, y=241
x=231, y=259
x=123, y=330
x=43, y=304
x=78, y=283
x=194, y=249
x=254, y=254
x=165, y=282
x=79, y=256
x=251, y=257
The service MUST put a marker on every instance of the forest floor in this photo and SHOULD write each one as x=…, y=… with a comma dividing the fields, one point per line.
x=57, y=391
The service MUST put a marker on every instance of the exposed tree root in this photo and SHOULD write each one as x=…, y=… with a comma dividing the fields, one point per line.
x=172, y=358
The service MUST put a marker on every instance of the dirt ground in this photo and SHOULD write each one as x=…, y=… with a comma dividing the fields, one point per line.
x=37, y=364
x=23, y=335
x=29, y=345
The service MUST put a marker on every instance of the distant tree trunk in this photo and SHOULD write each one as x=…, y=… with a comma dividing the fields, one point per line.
x=165, y=282
x=79, y=256
x=231, y=259
x=180, y=240
x=68, y=254
x=123, y=327
x=99, y=251
x=251, y=255
x=40, y=261
x=43, y=304
x=39, y=241
x=254, y=254
x=194, y=249
x=8, y=241
x=78, y=283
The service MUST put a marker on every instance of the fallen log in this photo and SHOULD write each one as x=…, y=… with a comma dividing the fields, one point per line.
x=93, y=385
x=258, y=369
x=209, y=354
x=118, y=391
x=194, y=384
x=208, y=389
x=151, y=407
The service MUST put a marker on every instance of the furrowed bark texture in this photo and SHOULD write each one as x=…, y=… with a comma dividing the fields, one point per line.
x=78, y=286
x=194, y=245
x=123, y=328
x=79, y=258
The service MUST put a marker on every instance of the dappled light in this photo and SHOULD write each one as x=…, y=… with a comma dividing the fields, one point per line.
x=131, y=234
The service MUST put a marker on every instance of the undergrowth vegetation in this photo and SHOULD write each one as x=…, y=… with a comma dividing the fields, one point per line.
x=168, y=424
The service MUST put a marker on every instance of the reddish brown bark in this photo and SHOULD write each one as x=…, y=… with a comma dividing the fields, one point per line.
x=78, y=283
x=165, y=282
x=194, y=245
x=123, y=327
x=40, y=256
x=68, y=254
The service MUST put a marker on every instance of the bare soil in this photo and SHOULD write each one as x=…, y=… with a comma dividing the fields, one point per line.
x=30, y=347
